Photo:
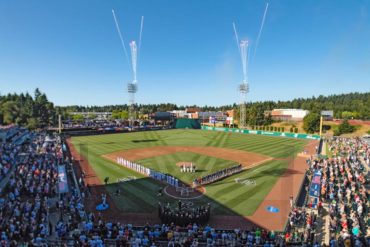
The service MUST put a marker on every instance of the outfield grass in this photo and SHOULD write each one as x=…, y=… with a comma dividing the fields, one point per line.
x=226, y=197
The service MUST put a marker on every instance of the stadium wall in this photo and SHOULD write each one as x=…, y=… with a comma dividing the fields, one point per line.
x=265, y=133
x=187, y=123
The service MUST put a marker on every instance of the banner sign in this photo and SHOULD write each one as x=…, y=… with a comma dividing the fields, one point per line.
x=62, y=179
x=266, y=133
x=148, y=172
x=315, y=185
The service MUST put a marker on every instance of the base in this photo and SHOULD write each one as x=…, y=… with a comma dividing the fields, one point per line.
x=102, y=207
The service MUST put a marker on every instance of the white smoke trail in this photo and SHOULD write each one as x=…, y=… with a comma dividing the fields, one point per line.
x=244, y=57
x=260, y=32
x=133, y=58
x=248, y=58
x=120, y=36
x=141, y=31
x=236, y=37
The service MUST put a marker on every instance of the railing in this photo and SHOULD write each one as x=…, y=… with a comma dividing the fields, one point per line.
x=303, y=185
x=69, y=241
x=70, y=167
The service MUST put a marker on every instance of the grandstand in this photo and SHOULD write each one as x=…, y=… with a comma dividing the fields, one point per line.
x=252, y=145
x=341, y=211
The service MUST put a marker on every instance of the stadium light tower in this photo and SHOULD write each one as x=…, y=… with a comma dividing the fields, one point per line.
x=244, y=86
x=131, y=86
x=243, y=47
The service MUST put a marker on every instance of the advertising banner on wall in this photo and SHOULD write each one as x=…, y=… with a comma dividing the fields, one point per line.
x=315, y=185
x=314, y=191
x=62, y=179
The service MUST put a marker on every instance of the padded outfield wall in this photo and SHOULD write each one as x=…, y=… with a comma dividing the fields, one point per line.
x=187, y=123
x=262, y=132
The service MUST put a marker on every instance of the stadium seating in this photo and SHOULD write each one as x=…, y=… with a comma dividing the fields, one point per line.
x=31, y=211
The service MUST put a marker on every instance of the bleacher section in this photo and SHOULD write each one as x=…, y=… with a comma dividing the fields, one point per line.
x=33, y=213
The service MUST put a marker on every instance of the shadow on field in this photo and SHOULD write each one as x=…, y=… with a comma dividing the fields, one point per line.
x=279, y=172
x=136, y=202
x=200, y=170
x=146, y=140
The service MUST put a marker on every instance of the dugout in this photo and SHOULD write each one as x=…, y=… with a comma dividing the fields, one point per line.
x=187, y=123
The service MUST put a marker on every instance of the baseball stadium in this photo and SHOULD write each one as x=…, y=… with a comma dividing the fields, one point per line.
x=184, y=123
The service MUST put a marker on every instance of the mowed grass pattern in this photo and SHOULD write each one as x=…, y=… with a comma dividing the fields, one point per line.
x=226, y=197
x=204, y=165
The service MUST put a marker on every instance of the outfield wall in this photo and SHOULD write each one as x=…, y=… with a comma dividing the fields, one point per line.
x=262, y=132
x=187, y=123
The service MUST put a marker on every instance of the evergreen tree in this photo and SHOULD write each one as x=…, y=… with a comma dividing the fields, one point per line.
x=344, y=128
x=311, y=122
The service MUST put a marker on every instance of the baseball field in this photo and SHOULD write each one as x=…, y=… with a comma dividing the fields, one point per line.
x=265, y=159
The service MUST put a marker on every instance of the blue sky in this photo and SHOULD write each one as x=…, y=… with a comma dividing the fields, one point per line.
x=71, y=50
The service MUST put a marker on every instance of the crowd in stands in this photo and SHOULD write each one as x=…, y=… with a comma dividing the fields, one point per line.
x=183, y=214
x=8, y=154
x=302, y=226
x=91, y=127
x=29, y=178
x=172, y=235
x=344, y=189
x=343, y=196
x=31, y=193
x=27, y=193
x=93, y=124
x=217, y=175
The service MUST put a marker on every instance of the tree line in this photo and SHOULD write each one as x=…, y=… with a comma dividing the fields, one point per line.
x=38, y=111
x=350, y=105
x=26, y=110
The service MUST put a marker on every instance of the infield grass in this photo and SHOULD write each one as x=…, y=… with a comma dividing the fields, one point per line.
x=204, y=165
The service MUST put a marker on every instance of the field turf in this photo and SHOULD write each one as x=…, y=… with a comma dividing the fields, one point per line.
x=167, y=164
x=225, y=196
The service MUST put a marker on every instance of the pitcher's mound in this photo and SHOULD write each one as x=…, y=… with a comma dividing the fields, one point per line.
x=185, y=193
